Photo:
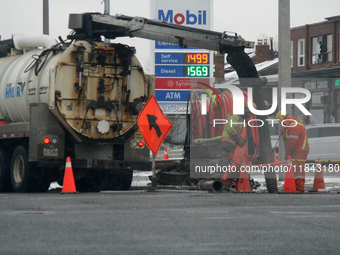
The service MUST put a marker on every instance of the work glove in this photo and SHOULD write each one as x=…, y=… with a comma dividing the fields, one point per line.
x=238, y=139
x=241, y=142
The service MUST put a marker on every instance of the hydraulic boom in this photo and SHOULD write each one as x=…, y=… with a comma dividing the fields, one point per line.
x=95, y=25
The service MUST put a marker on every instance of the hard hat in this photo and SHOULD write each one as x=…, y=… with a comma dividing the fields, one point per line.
x=279, y=116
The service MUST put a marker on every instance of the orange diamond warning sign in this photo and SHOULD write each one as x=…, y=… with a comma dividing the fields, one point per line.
x=153, y=125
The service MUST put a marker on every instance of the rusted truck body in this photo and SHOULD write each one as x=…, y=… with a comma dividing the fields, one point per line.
x=78, y=99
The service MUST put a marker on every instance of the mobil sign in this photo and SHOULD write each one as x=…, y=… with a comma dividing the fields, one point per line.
x=199, y=18
x=194, y=13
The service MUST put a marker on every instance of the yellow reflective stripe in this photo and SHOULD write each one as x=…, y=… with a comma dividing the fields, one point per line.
x=305, y=140
x=300, y=160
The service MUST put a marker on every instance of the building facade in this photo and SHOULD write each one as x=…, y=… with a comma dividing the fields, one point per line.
x=315, y=56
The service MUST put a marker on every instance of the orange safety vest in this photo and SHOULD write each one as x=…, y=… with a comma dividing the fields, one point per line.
x=295, y=138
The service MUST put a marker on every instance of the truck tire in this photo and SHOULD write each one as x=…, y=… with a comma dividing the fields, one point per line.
x=120, y=181
x=5, y=177
x=25, y=176
x=21, y=180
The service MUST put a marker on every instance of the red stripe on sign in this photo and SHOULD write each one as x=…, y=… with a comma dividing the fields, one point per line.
x=16, y=135
x=8, y=135
x=179, y=83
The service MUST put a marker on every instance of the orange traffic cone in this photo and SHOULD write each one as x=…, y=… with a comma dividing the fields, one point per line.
x=68, y=184
x=166, y=156
x=289, y=186
x=319, y=182
x=243, y=182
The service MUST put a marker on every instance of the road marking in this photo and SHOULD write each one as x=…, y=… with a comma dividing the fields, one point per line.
x=291, y=212
x=221, y=218
x=206, y=211
x=300, y=216
x=151, y=219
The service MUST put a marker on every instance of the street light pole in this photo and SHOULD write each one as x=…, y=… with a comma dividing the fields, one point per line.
x=284, y=64
x=45, y=18
x=107, y=12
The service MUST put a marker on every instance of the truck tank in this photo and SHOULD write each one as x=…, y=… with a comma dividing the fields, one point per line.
x=94, y=90
x=98, y=89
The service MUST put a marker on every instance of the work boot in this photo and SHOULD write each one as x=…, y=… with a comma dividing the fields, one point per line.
x=300, y=185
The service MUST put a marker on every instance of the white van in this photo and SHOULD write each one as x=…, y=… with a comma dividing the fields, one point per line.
x=324, y=141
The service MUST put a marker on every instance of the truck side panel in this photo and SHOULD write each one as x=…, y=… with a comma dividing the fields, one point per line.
x=45, y=126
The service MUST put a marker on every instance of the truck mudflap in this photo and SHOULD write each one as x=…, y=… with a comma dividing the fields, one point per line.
x=96, y=164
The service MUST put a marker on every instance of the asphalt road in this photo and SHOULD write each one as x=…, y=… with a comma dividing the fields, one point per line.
x=169, y=222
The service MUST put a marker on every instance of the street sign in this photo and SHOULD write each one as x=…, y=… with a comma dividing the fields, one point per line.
x=172, y=95
x=153, y=125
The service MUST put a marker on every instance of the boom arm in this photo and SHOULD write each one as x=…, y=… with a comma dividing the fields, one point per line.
x=93, y=25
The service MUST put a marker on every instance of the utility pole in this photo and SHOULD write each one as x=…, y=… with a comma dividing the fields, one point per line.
x=106, y=12
x=284, y=64
x=45, y=18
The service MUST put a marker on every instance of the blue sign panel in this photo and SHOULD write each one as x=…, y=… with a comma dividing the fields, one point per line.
x=165, y=45
x=172, y=95
x=174, y=108
x=168, y=71
x=168, y=58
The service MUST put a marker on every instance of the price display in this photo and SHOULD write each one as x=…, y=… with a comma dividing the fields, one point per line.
x=196, y=71
x=195, y=58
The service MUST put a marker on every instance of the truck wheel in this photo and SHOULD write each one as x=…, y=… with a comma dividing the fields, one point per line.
x=120, y=181
x=5, y=177
x=23, y=178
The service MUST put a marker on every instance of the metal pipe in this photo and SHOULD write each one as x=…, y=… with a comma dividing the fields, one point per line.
x=211, y=185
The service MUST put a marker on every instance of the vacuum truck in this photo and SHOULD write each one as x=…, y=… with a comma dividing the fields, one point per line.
x=80, y=98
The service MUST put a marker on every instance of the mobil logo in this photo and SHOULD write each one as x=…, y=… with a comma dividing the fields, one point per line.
x=189, y=18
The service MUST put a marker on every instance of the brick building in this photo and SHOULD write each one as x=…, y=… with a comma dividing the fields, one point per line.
x=315, y=56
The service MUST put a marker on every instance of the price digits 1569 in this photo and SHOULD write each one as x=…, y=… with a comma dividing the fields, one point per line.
x=196, y=71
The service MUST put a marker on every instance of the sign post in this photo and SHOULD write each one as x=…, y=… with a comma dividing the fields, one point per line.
x=154, y=127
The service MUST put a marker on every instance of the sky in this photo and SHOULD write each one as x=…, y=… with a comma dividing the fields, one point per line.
x=252, y=19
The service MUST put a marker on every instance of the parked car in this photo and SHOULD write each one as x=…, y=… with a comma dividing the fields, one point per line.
x=324, y=141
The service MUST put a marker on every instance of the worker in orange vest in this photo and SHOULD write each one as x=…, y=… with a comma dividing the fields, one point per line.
x=296, y=142
x=235, y=140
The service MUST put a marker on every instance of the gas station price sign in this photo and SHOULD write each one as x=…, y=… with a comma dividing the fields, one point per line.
x=195, y=58
x=196, y=71
x=176, y=58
